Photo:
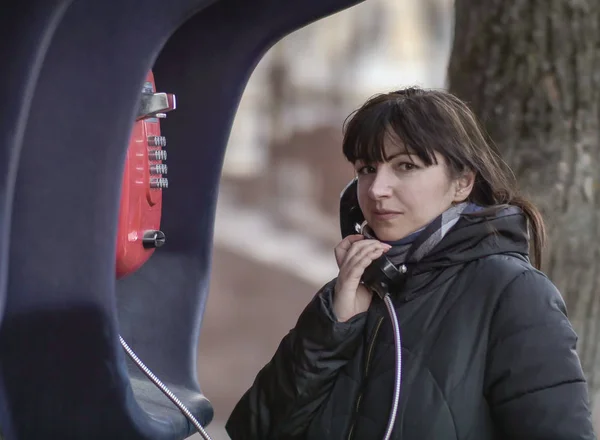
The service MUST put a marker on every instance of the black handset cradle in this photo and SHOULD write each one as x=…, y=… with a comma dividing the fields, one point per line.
x=382, y=276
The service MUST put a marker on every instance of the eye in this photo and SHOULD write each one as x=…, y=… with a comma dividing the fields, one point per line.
x=366, y=169
x=406, y=166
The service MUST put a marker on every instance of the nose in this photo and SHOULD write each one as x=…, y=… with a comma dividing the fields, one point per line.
x=381, y=186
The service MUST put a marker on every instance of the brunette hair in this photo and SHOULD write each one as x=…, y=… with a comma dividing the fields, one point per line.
x=429, y=121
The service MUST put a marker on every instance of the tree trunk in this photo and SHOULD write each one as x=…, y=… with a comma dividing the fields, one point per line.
x=530, y=69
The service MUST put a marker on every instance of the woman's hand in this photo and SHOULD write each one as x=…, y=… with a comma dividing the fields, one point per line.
x=353, y=255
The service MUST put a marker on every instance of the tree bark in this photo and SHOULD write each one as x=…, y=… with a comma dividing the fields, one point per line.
x=530, y=69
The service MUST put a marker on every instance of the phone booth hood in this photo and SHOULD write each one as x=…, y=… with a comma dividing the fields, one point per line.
x=71, y=93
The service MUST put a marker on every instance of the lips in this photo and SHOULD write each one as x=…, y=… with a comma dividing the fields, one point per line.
x=385, y=214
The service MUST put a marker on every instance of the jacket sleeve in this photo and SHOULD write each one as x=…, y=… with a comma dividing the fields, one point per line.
x=534, y=381
x=289, y=390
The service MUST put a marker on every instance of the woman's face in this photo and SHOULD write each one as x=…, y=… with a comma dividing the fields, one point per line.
x=401, y=195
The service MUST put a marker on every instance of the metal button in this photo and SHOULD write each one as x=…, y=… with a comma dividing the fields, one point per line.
x=160, y=168
x=159, y=183
x=157, y=141
x=157, y=155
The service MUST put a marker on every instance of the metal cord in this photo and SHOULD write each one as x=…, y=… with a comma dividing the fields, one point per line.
x=164, y=389
x=398, y=379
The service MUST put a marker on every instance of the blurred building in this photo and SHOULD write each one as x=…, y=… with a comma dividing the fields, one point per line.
x=277, y=219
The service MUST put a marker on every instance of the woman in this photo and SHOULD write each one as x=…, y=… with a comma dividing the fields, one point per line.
x=487, y=349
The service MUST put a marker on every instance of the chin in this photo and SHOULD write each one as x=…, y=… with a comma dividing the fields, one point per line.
x=387, y=234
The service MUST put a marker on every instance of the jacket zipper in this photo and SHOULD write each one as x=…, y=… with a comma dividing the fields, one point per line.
x=366, y=373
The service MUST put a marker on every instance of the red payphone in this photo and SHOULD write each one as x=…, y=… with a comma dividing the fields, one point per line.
x=140, y=208
x=144, y=179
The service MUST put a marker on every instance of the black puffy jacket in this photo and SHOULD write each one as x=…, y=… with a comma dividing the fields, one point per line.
x=488, y=353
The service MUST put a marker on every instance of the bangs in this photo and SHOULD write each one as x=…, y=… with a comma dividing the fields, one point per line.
x=367, y=130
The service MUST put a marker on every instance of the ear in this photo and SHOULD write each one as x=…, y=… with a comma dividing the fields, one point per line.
x=463, y=186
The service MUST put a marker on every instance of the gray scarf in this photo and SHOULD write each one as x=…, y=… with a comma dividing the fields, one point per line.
x=418, y=244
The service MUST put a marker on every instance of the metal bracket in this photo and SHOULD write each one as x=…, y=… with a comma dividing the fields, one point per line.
x=153, y=104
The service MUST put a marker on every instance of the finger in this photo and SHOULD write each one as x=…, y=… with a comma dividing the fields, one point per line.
x=365, y=258
x=360, y=249
x=343, y=247
x=347, y=242
x=354, y=270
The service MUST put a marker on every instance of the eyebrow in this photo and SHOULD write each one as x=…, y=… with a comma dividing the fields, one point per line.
x=387, y=159
x=393, y=156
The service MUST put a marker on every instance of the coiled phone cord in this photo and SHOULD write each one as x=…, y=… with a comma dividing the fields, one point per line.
x=398, y=378
x=164, y=389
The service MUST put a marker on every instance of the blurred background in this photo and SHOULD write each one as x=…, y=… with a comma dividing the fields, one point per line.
x=277, y=216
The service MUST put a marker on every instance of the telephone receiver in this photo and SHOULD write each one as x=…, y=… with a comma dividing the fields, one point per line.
x=144, y=180
x=382, y=276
